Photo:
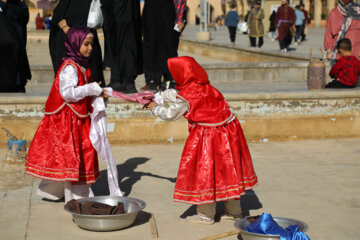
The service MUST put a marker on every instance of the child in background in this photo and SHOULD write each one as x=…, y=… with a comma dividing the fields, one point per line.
x=61, y=153
x=231, y=21
x=216, y=164
x=347, y=68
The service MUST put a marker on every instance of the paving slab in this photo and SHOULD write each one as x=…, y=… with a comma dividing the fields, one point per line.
x=313, y=181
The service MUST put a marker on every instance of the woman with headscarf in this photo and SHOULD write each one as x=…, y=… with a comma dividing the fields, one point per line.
x=68, y=14
x=61, y=152
x=343, y=22
x=14, y=63
x=215, y=164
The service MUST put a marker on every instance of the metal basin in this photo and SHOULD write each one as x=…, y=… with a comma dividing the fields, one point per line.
x=108, y=222
x=283, y=222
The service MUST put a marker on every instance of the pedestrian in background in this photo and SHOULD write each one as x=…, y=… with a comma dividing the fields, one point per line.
x=306, y=21
x=39, y=22
x=163, y=21
x=231, y=21
x=14, y=63
x=255, y=24
x=299, y=24
x=123, y=45
x=272, y=27
x=284, y=21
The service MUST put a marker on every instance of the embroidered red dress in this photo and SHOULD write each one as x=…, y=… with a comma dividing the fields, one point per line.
x=61, y=149
x=215, y=164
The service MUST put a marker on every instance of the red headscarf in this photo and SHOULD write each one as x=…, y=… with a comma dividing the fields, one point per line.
x=187, y=73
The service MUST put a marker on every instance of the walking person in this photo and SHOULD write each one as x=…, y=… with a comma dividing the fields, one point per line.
x=306, y=21
x=255, y=24
x=284, y=21
x=231, y=21
x=299, y=24
x=272, y=28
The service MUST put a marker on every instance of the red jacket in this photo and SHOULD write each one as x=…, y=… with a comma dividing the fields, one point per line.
x=346, y=70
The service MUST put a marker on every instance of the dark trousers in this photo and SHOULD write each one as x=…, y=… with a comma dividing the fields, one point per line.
x=253, y=41
x=287, y=40
x=232, y=32
x=336, y=84
x=299, y=30
x=303, y=35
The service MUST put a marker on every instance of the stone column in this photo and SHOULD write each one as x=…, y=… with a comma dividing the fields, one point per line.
x=330, y=5
x=317, y=13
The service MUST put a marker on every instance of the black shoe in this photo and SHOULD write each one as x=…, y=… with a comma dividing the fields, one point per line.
x=129, y=87
x=153, y=86
x=115, y=86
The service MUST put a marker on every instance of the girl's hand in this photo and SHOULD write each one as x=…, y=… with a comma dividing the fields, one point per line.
x=151, y=105
x=104, y=93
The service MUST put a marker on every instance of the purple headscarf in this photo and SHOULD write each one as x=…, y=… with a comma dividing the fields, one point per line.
x=73, y=41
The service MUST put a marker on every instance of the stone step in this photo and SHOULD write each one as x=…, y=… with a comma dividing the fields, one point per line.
x=217, y=72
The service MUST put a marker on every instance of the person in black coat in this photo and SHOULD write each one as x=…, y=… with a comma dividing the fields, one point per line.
x=67, y=14
x=14, y=63
x=123, y=44
x=161, y=40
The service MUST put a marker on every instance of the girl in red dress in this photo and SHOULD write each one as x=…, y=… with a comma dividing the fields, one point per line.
x=61, y=152
x=215, y=164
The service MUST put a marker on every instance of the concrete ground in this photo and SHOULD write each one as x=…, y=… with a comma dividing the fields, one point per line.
x=314, y=41
x=313, y=181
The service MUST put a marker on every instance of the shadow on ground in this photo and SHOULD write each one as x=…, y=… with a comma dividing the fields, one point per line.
x=127, y=175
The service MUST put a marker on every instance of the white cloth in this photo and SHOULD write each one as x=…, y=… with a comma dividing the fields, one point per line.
x=56, y=190
x=69, y=90
x=99, y=140
x=176, y=107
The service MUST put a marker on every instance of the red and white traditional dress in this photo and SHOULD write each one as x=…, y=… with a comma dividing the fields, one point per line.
x=215, y=164
x=61, y=149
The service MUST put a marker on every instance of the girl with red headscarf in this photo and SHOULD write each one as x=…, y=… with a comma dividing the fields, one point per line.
x=61, y=153
x=216, y=164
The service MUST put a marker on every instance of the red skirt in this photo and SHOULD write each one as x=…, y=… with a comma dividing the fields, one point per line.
x=215, y=165
x=61, y=149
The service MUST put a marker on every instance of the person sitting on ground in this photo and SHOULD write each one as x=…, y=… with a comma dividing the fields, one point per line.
x=347, y=69
x=216, y=163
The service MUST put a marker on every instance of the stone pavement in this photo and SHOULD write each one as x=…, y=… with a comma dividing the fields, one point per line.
x=313, y=181
x=315, y=41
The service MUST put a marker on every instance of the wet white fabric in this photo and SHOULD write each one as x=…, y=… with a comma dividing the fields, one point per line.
x=74, y=191
x=99, y=140
x=53, y=190
x=70, y=92
x=175, y=108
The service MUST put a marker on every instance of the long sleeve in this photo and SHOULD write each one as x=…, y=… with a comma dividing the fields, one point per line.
x=180, y=6
x=261, y=14
x=175, y=109
x=336, y=68
x=69, y=90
